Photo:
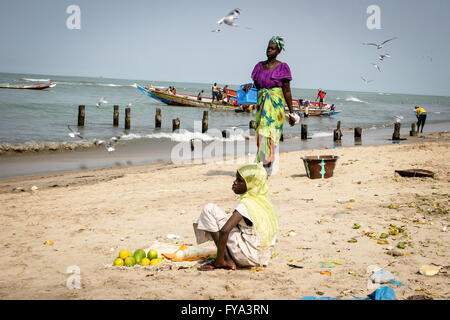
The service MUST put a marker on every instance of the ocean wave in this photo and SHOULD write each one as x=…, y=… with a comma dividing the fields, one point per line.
x=186, y=136
x=31, y=79
x=321, y=134
x=354, y=99
x=94, y=84
x=45, y=146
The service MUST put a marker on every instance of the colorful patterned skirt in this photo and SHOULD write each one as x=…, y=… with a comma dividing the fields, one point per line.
x=269, y=123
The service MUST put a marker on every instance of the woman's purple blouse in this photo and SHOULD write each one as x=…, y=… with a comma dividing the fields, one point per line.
x=269, y=79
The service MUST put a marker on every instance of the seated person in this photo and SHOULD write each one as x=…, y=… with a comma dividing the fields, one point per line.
x=245, y=237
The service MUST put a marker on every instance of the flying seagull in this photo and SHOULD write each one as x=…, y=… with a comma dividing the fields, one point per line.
x=429, y=58
x=376, y=66
x=379, y=46
x=217, y=30
x=101, y=101
x=229, y=19
x=366, y=81
x=398, y=119
x=382, y=56
x=74, y=133
x=108, y=145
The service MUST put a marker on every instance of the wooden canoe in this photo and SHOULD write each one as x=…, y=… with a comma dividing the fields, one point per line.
x=30, y=87
x=184, y=100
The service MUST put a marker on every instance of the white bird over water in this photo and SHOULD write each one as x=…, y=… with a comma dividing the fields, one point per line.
x=379, y=46
x=398, y=119
x=101, y=101
x=382, y=56
x=229, y=19
x=366, y=81
x=74, y=133
x=108, y=145
x=376, y=66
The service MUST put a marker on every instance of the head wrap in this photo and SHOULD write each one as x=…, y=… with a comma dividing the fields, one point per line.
x=279, y=41
x=258, y=204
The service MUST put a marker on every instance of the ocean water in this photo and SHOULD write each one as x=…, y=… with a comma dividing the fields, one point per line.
x=31, y=117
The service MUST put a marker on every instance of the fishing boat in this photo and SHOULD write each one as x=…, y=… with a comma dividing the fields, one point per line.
x=185, y=100
x=39, y=86
x=318, y=113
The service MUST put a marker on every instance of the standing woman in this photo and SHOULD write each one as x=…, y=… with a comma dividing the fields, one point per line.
x=272, y=79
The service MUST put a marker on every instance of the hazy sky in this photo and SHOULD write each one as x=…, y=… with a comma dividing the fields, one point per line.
x=172, y=41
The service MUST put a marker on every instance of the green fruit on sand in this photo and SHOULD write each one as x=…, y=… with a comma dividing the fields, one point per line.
x=383, y=236
x=118, y=262
x=139, y=253
x=130, y=261
x=152, y=254
x=138, y=259
x=401, y=245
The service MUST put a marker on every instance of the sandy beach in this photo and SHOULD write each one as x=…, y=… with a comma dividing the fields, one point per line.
x=90, y=215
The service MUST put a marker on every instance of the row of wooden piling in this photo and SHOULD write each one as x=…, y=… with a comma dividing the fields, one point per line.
x=337, y=133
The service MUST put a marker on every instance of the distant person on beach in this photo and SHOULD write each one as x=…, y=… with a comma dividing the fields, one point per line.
x=225, y=93
x=272, y=79
x=243, y=238
x=215, y=93
x=421, y=115
x=321, y=95
x=306, y=112
x=199, y=96
x=174, y=91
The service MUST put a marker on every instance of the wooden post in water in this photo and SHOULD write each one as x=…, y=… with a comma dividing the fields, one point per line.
x=205, y=122
x=225, y=134
x=337, y=133
x=127, y=118
x=116, y=116
x=413, y=132
x=252, y=124
x=158, y=118
x=175, y=124
x=304, y=132
x=81, y=115
x=396, y=135
x=358, y=133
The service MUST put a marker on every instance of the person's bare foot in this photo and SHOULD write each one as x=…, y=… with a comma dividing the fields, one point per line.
x=227, y=264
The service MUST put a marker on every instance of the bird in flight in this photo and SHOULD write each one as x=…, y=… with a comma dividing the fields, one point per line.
x=376, y=66
x=379, y=46
x=74, y=133
x=366, y=81
x=229, y=19
x=108, y=145
x=382, y=56
x=101, y=101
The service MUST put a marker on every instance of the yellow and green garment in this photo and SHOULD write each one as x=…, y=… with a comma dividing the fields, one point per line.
x=269, y=122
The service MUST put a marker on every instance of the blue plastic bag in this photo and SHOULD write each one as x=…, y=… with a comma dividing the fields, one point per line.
x=247, y=98
x=382, y=293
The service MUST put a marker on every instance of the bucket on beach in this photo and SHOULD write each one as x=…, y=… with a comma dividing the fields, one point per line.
x=247, y=98
x=320, y=167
